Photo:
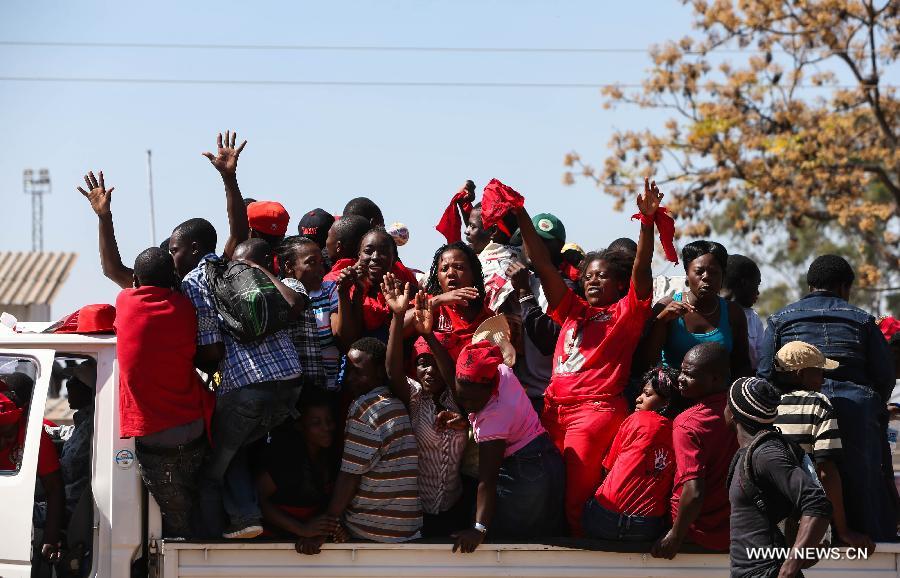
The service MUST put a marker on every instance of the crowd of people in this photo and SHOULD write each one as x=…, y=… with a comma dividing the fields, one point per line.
x=518, y=388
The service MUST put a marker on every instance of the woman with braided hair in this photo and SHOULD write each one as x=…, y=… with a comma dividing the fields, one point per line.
x=632, y=501
x=456, y=287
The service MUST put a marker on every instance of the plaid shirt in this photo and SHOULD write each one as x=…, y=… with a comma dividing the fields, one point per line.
x=269, y=359
x=304, y=334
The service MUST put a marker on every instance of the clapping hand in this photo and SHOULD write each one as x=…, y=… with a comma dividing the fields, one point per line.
x=649, y=201
x=423, y=316
x=226, y=157
x=396, y=294
x=97, y=193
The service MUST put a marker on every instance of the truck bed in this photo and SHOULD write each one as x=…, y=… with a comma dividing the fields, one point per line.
x=254, y=559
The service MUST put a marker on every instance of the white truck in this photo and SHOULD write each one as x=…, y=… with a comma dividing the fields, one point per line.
x=124, y=525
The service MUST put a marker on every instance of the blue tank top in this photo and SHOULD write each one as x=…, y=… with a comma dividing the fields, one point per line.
x=679, y=340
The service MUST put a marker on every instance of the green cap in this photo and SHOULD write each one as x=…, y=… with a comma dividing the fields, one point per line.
x=549, y=227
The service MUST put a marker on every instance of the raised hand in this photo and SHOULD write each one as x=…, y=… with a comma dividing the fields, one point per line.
x=396, y=294
x=649, y=201
x=423, y=316
x=461, y=296
x=469, y=190
x=346, y=279
x=519, y=275
x=97, y=194
x=226, y=157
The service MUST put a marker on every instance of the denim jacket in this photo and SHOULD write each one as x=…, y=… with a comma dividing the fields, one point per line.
x=844, y=333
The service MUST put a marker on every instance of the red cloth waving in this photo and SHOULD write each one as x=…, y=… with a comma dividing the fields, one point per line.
x=450, y=225
x=498, y=199
x=665, y=224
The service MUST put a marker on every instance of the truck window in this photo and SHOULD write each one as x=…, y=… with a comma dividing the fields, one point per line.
x=17, y=376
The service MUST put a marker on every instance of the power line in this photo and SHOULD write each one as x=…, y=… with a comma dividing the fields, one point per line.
x=364, y=83
x=361, y=48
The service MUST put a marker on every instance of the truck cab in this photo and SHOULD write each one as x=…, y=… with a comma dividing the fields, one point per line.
x=120, y=526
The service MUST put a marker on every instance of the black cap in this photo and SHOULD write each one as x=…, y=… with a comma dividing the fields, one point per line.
x=315, y=224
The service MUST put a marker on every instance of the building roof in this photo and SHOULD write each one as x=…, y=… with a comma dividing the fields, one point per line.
x=32, y=278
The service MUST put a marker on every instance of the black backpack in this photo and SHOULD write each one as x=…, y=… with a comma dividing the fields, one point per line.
x=247, y=301
x=747, y=479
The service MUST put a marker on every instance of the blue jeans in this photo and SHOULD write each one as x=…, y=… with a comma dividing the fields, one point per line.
x=241, y=417
x=862, y=419
x=602, y=524
x=530, y=492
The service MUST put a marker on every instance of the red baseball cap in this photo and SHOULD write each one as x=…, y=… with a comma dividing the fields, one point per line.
x=98, y=318
x=268, y=218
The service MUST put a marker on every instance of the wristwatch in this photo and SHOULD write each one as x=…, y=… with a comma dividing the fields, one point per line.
x=480, y=527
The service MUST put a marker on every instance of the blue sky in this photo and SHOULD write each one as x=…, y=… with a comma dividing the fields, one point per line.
x=408, y=148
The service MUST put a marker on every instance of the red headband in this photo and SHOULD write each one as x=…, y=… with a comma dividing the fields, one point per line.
x=479, y=363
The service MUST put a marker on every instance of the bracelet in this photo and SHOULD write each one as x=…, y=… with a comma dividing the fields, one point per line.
x=526, y=298
x=480, y=527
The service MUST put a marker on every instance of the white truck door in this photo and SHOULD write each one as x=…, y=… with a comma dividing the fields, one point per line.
x=17, y=488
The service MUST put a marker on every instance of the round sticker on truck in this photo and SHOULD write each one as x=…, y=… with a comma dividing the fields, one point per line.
x=124, y=459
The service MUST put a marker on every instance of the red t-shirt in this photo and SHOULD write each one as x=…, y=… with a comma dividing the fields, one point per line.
x=704, y=446
x=593, y=353
x=157, y=340
x=641, y=464
x=48, y=459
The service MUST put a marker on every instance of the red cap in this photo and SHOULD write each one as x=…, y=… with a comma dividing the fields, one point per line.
x=268, y=218
x=97, y=318
x=9, y=413
x=479, y=363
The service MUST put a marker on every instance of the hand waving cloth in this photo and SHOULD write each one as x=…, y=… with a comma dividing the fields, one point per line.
x=450, y=225
x=665, y=224
x=498, y=199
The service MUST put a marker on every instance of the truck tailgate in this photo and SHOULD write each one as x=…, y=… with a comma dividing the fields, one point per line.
x=270, y=560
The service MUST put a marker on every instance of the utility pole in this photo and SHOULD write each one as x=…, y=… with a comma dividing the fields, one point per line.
x=37, y=187
x=150, y=192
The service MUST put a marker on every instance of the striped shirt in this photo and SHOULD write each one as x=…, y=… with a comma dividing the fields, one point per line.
x=379, y=446
x=440, y=452
x=807, y=418
x=323, y=303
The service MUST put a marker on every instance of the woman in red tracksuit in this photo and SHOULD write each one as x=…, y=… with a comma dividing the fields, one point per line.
x=584, y=405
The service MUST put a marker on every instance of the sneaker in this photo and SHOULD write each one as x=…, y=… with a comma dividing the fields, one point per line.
x=243, y=531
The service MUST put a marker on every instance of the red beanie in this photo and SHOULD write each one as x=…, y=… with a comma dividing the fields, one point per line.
x=479, y=363
x=268, y=218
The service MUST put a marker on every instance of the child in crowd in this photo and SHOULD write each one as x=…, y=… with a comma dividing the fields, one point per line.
x=376, y=494
x=583, y=405
x=299, y=464
x=704, y=446
x=741, y=284
x=301, y=264
x=806, y=417
x=427, y=396
x=699, y=315
x=163, y=403
x=632, y=502
x=521, y=474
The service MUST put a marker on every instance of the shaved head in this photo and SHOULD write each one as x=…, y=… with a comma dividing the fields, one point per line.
x=709, y=357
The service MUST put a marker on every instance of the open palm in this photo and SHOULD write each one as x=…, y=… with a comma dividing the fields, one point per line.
x=649, y=201
x=226, y=157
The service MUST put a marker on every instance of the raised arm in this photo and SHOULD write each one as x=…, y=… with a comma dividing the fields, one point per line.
x=551, y=279
x=110, y=260
x=225, y=160
x=641, y=273
x=396, y=295
x=423, y=316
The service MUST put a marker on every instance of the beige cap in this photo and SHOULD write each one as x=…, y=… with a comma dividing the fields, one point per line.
x=496, y=330
x=798, y=355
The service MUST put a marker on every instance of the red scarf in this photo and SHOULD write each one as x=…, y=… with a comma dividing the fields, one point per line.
x=449, y=319
x=498, y=199
x=450, y=224
x=665, y=224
